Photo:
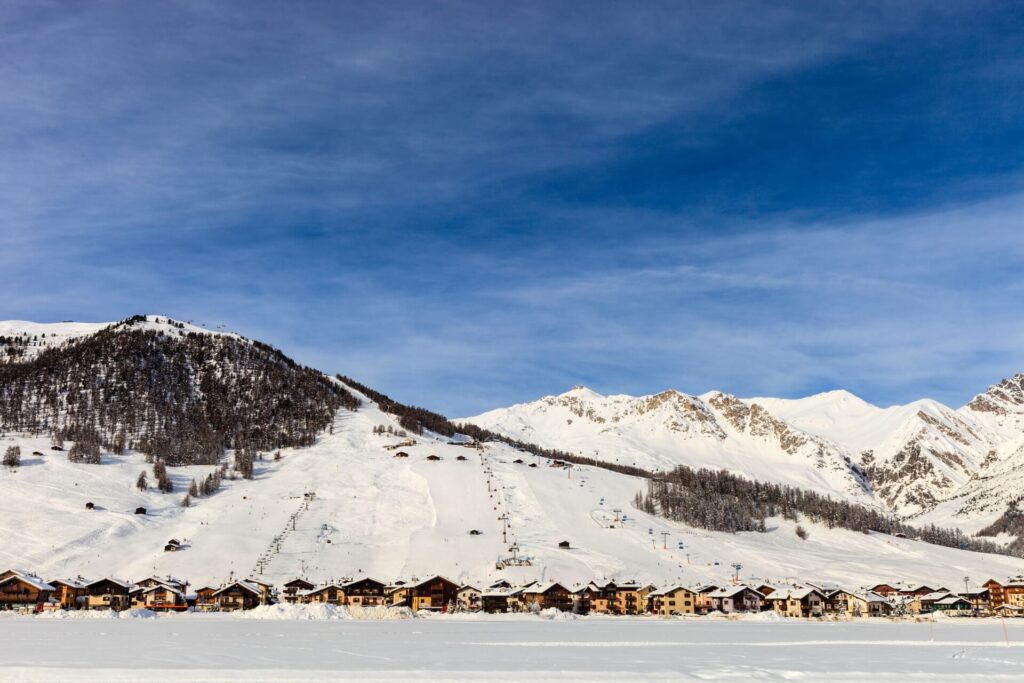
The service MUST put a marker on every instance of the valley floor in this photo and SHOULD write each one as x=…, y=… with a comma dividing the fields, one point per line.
x=505, y=647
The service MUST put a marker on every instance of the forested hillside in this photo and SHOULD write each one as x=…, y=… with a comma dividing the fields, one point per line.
x=178, y=395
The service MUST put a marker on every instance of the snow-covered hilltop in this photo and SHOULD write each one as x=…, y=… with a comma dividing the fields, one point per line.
x=22, y=340
x=922, y=459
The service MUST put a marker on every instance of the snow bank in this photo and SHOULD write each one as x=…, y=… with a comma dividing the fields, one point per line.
x=556, y=615
x=97, y=614
x=323, y=612
x=763, y=616
x=317, y=612
x=381, y=612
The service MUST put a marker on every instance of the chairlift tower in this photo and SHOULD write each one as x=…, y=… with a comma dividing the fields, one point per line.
x=737, y=566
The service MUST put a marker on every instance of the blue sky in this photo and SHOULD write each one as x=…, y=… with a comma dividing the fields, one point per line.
x=470, y=204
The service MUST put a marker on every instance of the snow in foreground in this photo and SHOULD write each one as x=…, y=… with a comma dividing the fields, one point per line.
x=521, y=647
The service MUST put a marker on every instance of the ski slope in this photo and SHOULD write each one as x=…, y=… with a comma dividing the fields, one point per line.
x=348, y=507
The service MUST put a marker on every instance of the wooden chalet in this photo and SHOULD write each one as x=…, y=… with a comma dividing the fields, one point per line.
x=884, y=589
x=953, y=604
x=923, y=604
x=365, y=592
x=736, y=599
x=879, y=605
x=469, y=599
x=330, y=593
x=435, y=593
x=294, y=588
x=797, y=602
x=69, y=593
x=704, y=602
x=205, y=600
x=494, y=600
x=552, y=594
x=1010, y=592
x=108, y=593
x=240, y=595
x=979, y=598
x=842, y=601
x=160, y=595
x=22, y=589
x=671, y=601
x=597, y=598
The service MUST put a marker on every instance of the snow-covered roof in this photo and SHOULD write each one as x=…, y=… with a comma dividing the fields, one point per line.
x=667, y=591
x=119, y=582
x=245, y=585
x=71, y=583
x=951, y=600
x=730, y=591
x=162, y=586
x=30, y=579
x=795, y=593
x=935, y=596
x=543, y=587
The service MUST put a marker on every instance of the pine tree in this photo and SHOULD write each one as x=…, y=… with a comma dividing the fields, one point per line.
x=186, y=502
x=12, y=456
x=193, y=489
x=141, y=482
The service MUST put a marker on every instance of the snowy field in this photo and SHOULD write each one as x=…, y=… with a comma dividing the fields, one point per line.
x=518, y=647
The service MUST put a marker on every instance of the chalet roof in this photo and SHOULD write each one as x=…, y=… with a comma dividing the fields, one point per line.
x=162, y=586
x=30, y=579
x=826, y=587
x=365, y=579
x=496, y=593
x=668, y=591
x=430, y=580
x=167, y=581
x=935, y=596
x=544, y=587
x=469, y=588
x=317, y=589
x=119, y=582
x=730, y=591
x=794, y=593
x=244, y=585
x=70, y=583
x=300, y=583
x=951, y=600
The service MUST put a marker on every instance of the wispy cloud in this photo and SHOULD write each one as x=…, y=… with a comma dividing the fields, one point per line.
x=474, y=203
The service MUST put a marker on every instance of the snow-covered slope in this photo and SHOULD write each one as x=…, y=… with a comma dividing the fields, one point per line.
x=372, y=513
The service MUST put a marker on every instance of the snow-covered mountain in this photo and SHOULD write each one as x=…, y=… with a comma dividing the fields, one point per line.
x=918, y=460
x=338, y=490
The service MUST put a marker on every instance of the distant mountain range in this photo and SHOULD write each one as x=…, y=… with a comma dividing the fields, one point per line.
x=924, y=460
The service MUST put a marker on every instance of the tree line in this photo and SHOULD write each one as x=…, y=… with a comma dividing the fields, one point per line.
x=721, y=501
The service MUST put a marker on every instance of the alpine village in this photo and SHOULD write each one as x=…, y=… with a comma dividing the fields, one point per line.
x=24, y=591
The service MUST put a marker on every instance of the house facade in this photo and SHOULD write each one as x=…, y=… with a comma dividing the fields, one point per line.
x=736, y=599
x=20, y=589
x=365, y=592
x=672, y=601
